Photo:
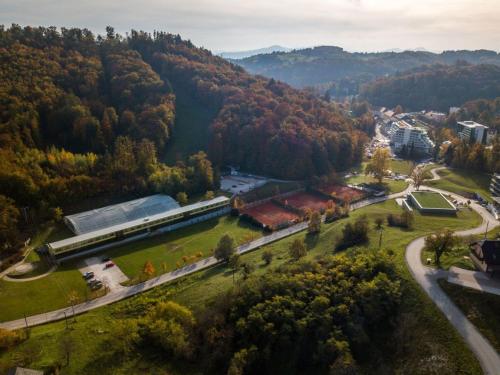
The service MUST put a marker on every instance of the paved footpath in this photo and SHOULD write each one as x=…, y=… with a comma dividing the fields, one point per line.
x=425, y=276
x=428, y=279
x=125, y=292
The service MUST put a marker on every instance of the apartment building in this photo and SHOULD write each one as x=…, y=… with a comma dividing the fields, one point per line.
x=417, y=139
x=472, y=132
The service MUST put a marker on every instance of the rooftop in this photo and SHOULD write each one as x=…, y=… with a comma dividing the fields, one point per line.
x=90, y=221
x=472, y=124
x=130, y=224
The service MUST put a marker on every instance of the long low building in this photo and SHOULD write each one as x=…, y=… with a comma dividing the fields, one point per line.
x=69, y=246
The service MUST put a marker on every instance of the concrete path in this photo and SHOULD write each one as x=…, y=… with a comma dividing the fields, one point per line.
x=428, y=277
x=125, y=292
x=474, y=280
x=24, y=279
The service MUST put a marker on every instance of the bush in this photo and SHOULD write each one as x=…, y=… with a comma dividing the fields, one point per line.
x=405, y=220
x=354, y=234
x=8, y=339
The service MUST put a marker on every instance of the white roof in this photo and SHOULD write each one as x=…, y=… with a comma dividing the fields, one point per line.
x=68, y=241
x=90, y=221
x=472, y=124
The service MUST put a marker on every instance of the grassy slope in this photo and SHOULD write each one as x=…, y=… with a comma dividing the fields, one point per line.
x=48, y=293
x=481, y=309
x=190, y=134
x=51, y=292
x=460, y=181
x=390, y=186
x=423, y=330
x=166, y=250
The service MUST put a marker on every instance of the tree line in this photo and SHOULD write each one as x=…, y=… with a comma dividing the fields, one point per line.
x=85, y=116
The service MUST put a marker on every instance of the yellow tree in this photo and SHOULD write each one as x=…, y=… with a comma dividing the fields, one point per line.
x=378, y=164
x=148, y=269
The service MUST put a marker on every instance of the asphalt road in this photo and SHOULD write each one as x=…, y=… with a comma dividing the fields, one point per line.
x=425, y=276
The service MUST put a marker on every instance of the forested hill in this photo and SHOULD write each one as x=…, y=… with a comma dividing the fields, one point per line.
x=82, y=116
x=345, y=71
x=436, y=87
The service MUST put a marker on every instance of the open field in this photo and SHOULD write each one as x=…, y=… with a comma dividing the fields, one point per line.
x=481, y=309
x=45, y=294
x=463, y=182
x=389, y=185
x=167, y=250
x=431, y=200
x=270, y=214
x=423, y=329
x=304, y=201
x=50, y=292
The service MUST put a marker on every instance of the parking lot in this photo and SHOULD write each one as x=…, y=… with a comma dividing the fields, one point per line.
x=240, y=184
x=111, y=277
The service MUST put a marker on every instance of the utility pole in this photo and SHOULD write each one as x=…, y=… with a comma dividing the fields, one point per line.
x=66, y=318
x=486, y=231
x=26, y=321
x=380, y=238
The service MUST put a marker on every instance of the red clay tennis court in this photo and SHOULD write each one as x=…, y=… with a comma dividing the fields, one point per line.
x=271, y=215
x=344, y=193
x=305, y=200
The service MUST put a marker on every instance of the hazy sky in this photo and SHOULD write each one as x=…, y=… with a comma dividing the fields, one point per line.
x=356, y=25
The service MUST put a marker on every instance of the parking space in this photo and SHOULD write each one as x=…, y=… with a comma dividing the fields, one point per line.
x=240, y=184
x=111, y=277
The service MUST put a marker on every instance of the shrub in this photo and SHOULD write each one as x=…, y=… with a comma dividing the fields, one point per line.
x=354, y=234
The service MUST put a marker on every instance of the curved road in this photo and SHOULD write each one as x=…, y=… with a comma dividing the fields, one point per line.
x=428, y=279
x=425, y=276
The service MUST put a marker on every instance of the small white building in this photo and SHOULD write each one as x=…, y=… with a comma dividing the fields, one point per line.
x=435, y=116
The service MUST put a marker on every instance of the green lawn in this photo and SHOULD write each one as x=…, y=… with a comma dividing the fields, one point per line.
x=422, y=330
x=38, y=296
x=401, y=166
x=166, y=250
x=389, y=185
x=463, y=182
x=190, y=133
x=431, y=200
x=482, y=309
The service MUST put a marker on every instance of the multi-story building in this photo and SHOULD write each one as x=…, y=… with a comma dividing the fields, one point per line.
x=413, y=138
x=472, y=132
x=495, y=185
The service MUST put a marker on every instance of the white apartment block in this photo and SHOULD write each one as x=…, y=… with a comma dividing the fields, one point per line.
x=403, y=134
x=471, y=131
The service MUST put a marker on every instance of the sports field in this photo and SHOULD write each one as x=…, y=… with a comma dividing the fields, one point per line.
x=271, y=215
x=431, y=200
x=343, y=193
x=304, y=201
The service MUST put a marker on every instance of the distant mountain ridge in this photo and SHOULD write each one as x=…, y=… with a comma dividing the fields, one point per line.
x=346, y=71
x=236, y=55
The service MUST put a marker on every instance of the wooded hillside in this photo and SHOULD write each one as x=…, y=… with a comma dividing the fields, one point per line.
x=435, y=87
x=83, y=116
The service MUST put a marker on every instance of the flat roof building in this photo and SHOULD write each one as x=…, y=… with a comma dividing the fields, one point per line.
x=116, y=214
x=405, y=135
x=495, y=185
x=472, y=132
x=186, y=215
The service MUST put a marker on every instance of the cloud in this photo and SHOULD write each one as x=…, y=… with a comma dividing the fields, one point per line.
x=238, y=24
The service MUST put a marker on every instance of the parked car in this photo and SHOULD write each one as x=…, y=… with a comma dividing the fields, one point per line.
x=106, y=259
x=97, y=285
x=88, y=275
x=109, y=265
x=93, y=281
